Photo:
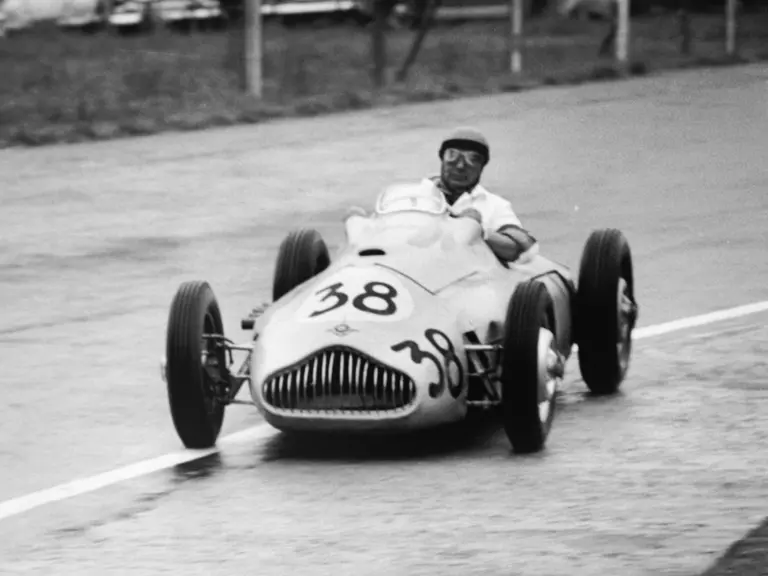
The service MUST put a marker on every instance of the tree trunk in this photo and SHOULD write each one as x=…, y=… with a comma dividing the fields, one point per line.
x=731, y=26
x=382, y=10
x=608, y=45
x=425, y=18
x=684, y=15
x=378, y=44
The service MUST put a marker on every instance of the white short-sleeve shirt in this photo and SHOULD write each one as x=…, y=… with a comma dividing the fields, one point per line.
x=494, y=210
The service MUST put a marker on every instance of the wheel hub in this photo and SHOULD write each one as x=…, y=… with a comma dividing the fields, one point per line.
x=627, y=316
x=551, y=370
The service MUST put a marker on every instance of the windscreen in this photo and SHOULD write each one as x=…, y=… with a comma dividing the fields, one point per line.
x=422, y=197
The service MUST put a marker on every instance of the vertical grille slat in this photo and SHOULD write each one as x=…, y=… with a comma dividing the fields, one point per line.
x=351, y=374
x=334, y=377
x=346, y=381
x=376, y=383
x=304, y=382
x=328, y=374
x=315, y=377
x=285, y=397
x=323, y=374
x=367, y=380
x=340, y=379
x=293, y=389
x=359, y=377
x=279, y=391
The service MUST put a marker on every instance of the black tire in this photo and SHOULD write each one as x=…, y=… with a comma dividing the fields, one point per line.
x=528, y=312
x=197, y=415
x=302, y=255
x=605, y=319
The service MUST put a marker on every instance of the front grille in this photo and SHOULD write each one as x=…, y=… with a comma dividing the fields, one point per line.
x=339, y=379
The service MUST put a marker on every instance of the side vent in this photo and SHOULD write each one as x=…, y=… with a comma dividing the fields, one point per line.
x=372, y=252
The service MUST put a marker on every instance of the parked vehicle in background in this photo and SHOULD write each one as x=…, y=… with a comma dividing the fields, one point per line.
x=84, y=15
x=14, y=16
x=131, y=15
x=140, y=14
x=88, y=15
x=185, y=12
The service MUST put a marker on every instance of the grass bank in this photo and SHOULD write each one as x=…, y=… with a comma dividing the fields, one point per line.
x=67, y=87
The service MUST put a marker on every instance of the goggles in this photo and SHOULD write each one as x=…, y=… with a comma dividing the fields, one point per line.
x=470, y=157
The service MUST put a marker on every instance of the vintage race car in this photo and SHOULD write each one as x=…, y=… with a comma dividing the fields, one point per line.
x=412, y=324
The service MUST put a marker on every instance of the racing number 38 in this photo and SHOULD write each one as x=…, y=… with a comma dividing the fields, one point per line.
x=380, y=292
x=445, y=369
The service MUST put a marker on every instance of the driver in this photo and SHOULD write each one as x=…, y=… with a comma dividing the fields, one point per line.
x=463, y=155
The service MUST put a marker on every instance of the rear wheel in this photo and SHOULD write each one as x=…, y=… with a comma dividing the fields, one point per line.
x=302, y=255
x=606, y=310
x=195, y=365
x=531, y=368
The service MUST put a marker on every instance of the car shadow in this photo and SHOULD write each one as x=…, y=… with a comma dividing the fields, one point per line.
x=595, y=398
x=200, y=469
x=467, y=436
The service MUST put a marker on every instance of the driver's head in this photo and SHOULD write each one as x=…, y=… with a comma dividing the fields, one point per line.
x=463, y=154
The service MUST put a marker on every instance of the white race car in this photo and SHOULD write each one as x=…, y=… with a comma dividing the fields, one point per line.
x=413, y=323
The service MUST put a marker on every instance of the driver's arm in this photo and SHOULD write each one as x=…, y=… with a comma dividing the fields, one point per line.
x=512, y=243
x=506, y=235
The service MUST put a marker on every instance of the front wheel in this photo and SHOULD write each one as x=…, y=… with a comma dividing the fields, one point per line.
x=302, y=255
x=606, y=310
x=195, y=365
x=531, y=368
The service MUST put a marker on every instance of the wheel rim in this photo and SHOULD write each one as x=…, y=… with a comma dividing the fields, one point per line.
x=549, y=375
x=209, y=364
x=625, y=308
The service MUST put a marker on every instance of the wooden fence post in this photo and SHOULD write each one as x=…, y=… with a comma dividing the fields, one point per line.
x=254, y=43
x=516, y=36
x=622, y=31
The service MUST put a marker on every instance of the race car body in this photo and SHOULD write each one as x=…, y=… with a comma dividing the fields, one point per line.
x=413, y=322
x=377, y=340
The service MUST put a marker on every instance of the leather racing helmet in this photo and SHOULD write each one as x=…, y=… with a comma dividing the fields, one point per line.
x=467, y=139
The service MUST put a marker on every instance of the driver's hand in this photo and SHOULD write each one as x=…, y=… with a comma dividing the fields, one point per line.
x=471, y=213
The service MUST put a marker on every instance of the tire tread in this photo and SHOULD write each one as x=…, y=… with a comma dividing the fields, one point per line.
x=195, y=427
x=302, y=255
x=606, y=258
x=520, y=401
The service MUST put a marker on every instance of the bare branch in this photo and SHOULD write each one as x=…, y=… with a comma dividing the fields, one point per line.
x=424, y=17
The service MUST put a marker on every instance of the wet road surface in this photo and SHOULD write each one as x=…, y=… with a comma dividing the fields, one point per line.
x=656, y=480
x=95, y=239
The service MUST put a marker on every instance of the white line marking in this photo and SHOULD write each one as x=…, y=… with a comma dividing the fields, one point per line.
x=28, y=502
x=16, y=506
x=694, y=321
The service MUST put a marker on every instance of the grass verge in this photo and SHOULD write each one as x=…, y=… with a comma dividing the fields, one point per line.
x=68, y=87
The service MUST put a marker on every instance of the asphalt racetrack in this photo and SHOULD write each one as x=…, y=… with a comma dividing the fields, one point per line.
x=657, y=480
